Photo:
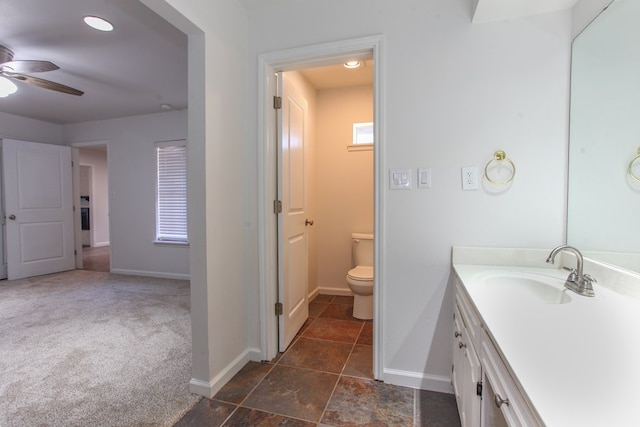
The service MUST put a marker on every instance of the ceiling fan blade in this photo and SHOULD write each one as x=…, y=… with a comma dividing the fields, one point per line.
x=29, y=66
x=46, y=84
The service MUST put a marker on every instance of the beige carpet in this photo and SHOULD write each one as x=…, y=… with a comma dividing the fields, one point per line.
x=85, y=348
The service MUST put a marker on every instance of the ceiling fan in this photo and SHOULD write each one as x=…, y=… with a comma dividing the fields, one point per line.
x=14, y=70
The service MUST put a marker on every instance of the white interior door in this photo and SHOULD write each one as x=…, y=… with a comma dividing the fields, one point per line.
x=292, y=235
x=38, y=207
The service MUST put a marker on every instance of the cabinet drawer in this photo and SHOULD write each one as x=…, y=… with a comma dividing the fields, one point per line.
x=506, y=395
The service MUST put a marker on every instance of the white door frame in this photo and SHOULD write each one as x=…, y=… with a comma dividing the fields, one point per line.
x=289, y=60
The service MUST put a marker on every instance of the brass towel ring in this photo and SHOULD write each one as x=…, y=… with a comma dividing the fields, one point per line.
x=631, y=163
x=499, y=156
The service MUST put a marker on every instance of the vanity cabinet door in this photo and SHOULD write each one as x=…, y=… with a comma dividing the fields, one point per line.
x=466, y=373
x=503, y=404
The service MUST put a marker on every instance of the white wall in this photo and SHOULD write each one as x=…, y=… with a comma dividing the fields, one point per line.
x=222, y=274
x=97, y=159
x=25, y=129
x=454, y=93
x=345, y=182
x=132, y=186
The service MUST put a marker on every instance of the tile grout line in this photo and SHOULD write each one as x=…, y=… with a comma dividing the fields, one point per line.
x=341, y=373
x=241, y=404
x=245, y=398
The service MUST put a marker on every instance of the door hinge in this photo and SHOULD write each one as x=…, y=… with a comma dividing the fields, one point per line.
x=277, y=206
x=75, y=252
x=277, y=102
x=479, y=388
x=279, y=309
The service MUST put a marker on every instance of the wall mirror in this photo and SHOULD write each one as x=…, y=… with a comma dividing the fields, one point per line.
x=603, y=198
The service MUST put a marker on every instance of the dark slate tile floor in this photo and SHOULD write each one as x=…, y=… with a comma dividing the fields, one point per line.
x=323, y=379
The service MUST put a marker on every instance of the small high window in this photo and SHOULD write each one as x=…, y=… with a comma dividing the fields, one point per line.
x=362, y=137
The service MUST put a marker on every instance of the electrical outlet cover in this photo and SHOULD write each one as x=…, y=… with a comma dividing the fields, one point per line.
x=470, y=178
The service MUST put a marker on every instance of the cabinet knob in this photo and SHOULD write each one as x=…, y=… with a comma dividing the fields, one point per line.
x=499, y=401
x=461, y=345
x=457, y=334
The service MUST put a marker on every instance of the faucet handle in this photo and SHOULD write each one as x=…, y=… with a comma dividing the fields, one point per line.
x=573, y=274
x=589, y=278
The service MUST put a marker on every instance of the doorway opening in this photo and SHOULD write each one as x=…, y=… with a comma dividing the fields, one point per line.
x=93, y=195
x=299, y=60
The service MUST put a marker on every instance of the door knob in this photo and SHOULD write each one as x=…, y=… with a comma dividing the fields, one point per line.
x=12, y=217
x=308, y=222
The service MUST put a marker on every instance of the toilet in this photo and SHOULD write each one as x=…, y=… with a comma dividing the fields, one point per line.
x=360, y=277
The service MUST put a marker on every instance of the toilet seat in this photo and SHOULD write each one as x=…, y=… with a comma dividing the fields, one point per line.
x=361, y=273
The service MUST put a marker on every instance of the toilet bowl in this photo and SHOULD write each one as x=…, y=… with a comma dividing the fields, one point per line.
x=360, y=278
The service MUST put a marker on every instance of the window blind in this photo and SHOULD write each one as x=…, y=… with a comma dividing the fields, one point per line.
x=171, y=212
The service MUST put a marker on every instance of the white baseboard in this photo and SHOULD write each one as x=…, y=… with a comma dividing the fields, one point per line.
x=159, y=274
x=100, y=244
x=335, y=291
x=209, y=388
x=201, y=388
x=419, y=380
x=313, y=294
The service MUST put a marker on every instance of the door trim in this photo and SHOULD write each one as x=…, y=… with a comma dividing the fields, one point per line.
x=289, y=60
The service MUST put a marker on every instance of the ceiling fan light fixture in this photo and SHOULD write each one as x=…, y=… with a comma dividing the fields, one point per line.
x=352, y=64
x=7, y=87
x=98, y=23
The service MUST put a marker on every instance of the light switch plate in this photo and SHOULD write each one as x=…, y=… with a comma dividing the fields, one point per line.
x=424, y=178
x=400, y=179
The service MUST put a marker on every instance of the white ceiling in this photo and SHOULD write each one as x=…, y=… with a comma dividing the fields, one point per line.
x=132, y=70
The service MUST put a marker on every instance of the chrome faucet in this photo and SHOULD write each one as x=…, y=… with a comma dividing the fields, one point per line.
x=578, y=281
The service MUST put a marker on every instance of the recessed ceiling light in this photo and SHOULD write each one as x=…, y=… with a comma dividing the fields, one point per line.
x=166, y=107
x=6, y=87
x=98, y=23
x=352, y=64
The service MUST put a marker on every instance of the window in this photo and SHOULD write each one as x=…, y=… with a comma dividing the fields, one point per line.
x=171, y=194
x=362, y=137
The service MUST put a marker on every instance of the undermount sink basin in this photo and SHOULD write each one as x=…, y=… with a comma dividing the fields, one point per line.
x=546, y=289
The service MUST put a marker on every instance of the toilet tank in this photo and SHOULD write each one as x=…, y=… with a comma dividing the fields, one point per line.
x=362, y=249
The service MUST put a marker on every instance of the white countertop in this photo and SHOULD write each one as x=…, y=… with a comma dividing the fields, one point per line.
x=578, y=363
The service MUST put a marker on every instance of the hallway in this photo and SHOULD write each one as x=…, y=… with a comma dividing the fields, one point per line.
x=323, y=379
x=96, y=258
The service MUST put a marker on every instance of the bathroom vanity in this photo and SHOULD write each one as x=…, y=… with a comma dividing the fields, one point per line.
x=528, y=352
